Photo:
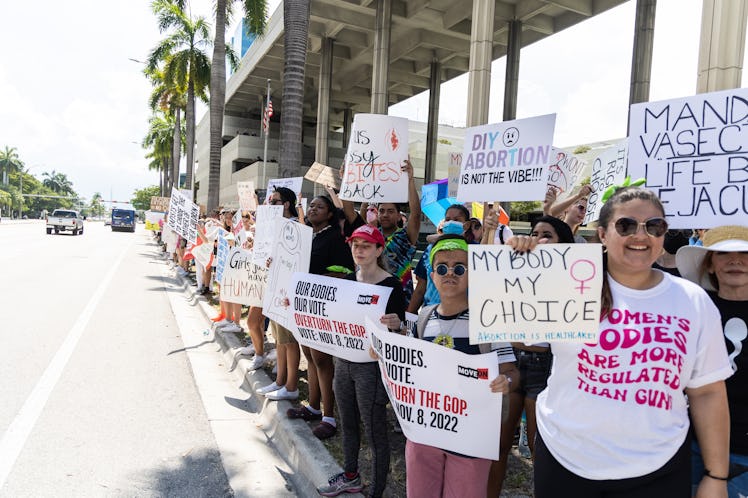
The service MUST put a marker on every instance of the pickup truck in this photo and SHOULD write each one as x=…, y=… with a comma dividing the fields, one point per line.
x=65, y=219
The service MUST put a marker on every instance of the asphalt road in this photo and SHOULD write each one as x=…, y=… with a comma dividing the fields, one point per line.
x=99, y=396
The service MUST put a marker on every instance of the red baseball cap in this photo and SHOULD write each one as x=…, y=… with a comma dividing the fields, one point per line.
x=369, y=234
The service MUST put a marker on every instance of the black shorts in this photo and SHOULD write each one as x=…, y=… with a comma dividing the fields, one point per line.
x=534, y=369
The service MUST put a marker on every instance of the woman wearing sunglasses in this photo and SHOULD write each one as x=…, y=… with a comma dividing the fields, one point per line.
x=613, y=420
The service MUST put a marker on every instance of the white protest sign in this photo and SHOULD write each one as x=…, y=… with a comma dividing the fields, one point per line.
x=609, y=168
x=410, y=321
x=329, y=314
x=291, y=183
x=183, y=215
x=246, y=192
x=693, y=154
x=222, y=255
x=549, y=294
x=441, y=396
x=453, y=173
x=564, y=173
x=507, y=161
x=323, y=175
x=265, y=232
x=243, y=282
x=373, y=163
x=169, y=237
x=291, y=250
x=202, y=253
x=153, y=220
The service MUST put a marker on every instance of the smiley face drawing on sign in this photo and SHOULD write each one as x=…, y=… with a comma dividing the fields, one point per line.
x=290, y=236
x=510, y=136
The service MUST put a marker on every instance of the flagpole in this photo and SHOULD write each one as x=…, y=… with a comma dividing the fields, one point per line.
x=266, y=130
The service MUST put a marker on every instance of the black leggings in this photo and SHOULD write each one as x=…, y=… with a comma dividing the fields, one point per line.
x=672, y=480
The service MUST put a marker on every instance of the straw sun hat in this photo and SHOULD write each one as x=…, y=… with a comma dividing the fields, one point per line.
x=728, y=238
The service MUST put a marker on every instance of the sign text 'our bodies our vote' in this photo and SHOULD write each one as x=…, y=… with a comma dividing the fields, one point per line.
x=549, y=294
x=507, y=161
x=693, y=153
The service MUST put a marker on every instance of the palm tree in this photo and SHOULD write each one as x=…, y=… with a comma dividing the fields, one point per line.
x=58, y=183
x=185, y=64
x=159, y=139
x=255, y=14
x=295, y=35
x=10, y=161
x=96, y=206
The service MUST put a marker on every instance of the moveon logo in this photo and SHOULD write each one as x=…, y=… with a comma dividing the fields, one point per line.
x=481, y=373
x=362, y=299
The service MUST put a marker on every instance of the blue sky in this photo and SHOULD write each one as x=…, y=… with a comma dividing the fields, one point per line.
x=73, y=102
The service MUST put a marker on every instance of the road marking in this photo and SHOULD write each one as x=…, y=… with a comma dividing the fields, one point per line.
x=15, y=437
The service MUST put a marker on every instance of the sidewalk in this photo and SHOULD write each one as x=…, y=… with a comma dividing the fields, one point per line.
x=307, y=457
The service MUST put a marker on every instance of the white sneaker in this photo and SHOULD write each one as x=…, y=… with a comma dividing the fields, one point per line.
x=282, y=393
x=222, y=323
x=269, y=388
x=257, y=362
x=232, y=327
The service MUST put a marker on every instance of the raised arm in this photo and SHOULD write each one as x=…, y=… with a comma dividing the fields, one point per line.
x=558, y=209
x=414, y=202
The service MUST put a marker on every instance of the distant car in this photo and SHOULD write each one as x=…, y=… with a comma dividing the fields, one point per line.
x=65, y=220
x=107, y=222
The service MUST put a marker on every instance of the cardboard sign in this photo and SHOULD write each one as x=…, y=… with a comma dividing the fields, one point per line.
x=247, y=197
x=153, y=220
x=222, y=255
x=564, y=172
x=549, y=294
x=377, y=150
x=243, y=282
x=507, y=161
x=183, y=216
x=160, y=204
x=265, y=232
x=291, y=183
x=323, y=175
x=609, y=168
x=329, y=314
x=693, y=154
x=441, y=396
x=291, y=250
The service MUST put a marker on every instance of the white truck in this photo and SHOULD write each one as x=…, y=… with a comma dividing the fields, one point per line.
x=65, y=220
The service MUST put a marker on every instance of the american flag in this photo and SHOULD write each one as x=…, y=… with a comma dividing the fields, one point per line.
x=267, y=115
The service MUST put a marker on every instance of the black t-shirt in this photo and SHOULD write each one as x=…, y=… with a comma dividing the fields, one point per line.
x=396, y=303
x=672, y=271
x=734, y=320
x=329, y=249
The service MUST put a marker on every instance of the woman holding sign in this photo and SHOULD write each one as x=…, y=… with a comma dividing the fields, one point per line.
x=613, y=420
x=358, y=386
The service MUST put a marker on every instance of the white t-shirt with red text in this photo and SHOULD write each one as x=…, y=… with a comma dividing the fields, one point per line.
x=616, y=409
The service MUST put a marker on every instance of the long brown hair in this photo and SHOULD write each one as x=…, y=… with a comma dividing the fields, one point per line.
x=621, y=196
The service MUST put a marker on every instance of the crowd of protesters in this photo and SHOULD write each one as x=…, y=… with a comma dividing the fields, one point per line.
x=582, y=444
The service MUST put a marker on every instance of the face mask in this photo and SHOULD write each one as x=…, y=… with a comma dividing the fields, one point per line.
x=674, y=240
x=371, y=216
x=453, y=228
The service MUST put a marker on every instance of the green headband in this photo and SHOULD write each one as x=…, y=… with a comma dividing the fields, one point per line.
x=626, y=183
x=339, y=269
x=447, y=245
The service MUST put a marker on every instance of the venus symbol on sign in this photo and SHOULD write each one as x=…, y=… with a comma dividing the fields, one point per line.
x=582, y=270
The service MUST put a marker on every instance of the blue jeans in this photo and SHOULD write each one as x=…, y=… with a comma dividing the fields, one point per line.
x=737, y=486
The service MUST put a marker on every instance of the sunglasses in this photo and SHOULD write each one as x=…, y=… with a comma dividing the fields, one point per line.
x=246, y=217
x=655, y=227
x=442, y=269
x=275, y=202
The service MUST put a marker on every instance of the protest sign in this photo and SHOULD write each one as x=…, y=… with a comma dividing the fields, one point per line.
x=564, y=172
x=692, y=152
x=243, y=282
x=160, y=204
x=549, y=294
x=453, y=173
x=507, y=161
x=323, y=175
x=410, y=321
x=169, y=237
x=247, y=198
x=441, y=396
x=329, y=314
x=264, y=232
x=609, y=168
x=153, y=220
x=183, y=216
x=291, y=249
x=222, y=255
x=291, y=183
x=373, y=163
x=203, y=253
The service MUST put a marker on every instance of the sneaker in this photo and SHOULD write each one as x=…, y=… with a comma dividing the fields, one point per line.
x=341, y=484
x=325, y=431
x=302, y=413
x=218, y=318
x=224, y=323
x=282, y=393
x=232, y=327
x=257, y=362
x=269, y=389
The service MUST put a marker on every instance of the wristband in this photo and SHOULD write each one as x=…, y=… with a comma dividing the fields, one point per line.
x=707, y=474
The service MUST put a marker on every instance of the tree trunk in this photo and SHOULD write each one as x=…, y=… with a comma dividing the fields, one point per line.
x=217, y=98
x=295, y=35
x=190, y=125
x=177, y=146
